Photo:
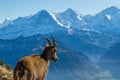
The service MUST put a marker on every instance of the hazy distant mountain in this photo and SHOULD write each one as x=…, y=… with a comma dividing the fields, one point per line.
x=111, y=60
x=75, y=65
x=70, y=19
x=6, y=22
x=42, y=22
x=106, y=21
x=69, y=25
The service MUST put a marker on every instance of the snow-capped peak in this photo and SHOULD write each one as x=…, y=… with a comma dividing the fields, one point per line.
x=54, y=17
x=6, y=22
x=8, y=18
x=40, y=23
x=74, y=12
x=41, y=14
x=69, y=10
x=111, y=10
x=78, y=15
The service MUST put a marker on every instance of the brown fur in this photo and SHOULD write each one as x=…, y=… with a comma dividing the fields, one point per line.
x=35, y=67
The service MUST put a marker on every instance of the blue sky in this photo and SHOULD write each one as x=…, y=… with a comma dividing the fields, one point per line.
x=15, y=8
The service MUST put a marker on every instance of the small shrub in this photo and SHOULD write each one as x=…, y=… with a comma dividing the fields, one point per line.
x=1, y=63
x=8, y=67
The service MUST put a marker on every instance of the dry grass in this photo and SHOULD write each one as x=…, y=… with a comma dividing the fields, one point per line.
x=5, y=74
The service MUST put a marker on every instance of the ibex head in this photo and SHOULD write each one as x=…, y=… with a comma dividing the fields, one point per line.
x=49, y=52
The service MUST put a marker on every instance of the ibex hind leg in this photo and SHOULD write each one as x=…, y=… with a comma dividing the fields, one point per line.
x=24, y=75
x=30, y=76
x=16, y=75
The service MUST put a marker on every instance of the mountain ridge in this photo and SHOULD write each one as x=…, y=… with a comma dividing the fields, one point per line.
x=86, y=30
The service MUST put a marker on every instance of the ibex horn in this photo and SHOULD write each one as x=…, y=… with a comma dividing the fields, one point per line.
x=47, y=39
x=54, y=41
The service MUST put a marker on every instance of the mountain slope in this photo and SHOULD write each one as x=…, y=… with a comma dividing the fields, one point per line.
x=6, y=22
x=77, y=32
x=70, y=18
x=93, y=44
x=75, y=64
x=111, y=60
x=106, y=21
x=42, y=22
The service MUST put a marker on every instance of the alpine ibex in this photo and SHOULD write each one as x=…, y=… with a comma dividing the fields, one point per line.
x=35, y=67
